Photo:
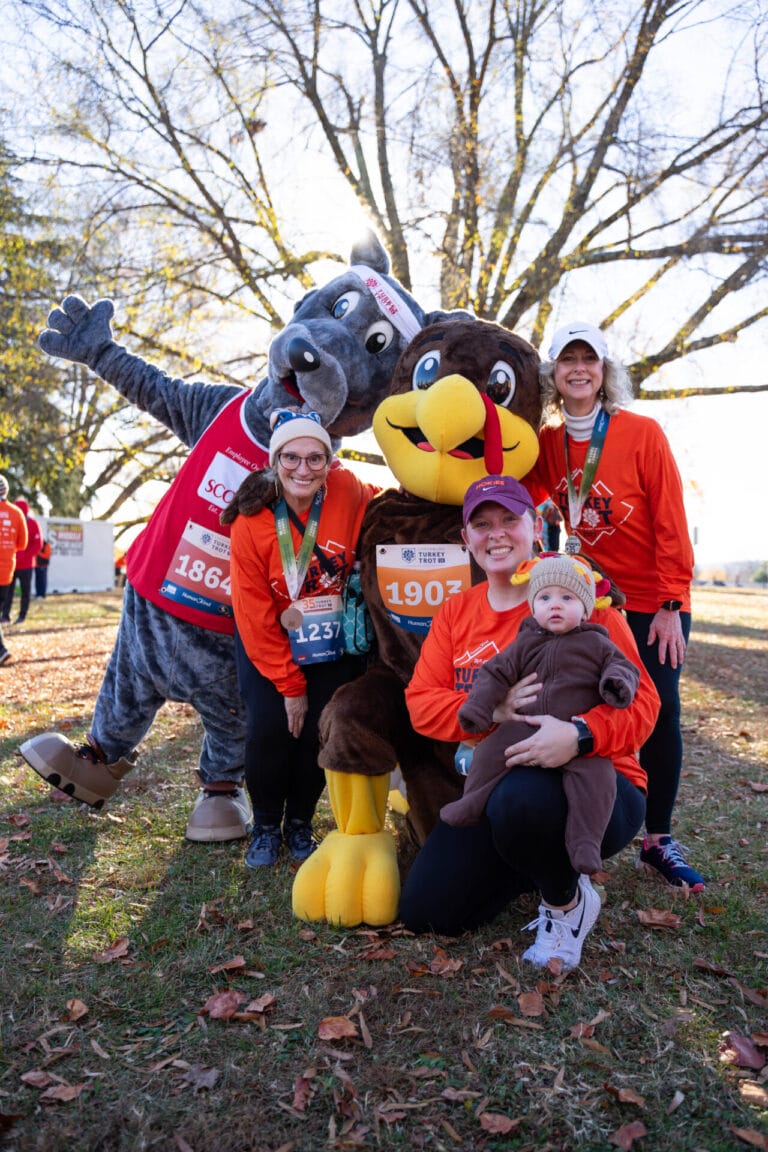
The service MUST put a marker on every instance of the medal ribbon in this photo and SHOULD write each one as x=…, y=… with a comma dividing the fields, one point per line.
x=295, y=565
x=596, y=442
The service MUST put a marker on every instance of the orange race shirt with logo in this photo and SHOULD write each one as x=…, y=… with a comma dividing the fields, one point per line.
x=467, y=631
x=181, y=561
x=633, y=522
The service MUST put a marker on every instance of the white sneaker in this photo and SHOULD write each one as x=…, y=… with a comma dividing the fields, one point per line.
x=561, y=935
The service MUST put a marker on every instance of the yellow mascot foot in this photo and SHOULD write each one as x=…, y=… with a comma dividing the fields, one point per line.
x=349, y=880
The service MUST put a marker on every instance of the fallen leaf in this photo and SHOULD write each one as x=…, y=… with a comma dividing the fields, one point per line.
x=756, y=786
x=442, y=965
x=751, y=994
x=336, y=1028
x=658, y=918
x=200, y=1077
x=261, y=1004
x=181, y=1143
x=459, y=1094
x=499, y=1012
x=303, y=1089
x=233, y=965
x=750, y=1136
x=753, y=1093
x=715, y=969
x=495, y=1122
x=62, y=1093
x=625, y=1136
x=36, y=1078
x=19, y=820
x=99, y=1050
x=377, y=952
x=625, y=1095
x=117, y=949
x=739, y=1050
x=75, y=1010
x=675, y=1102
x=222, y=1005
x=531, y=1003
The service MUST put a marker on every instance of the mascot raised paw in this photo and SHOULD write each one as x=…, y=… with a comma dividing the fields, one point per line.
x=175, y=639
x=464, y=403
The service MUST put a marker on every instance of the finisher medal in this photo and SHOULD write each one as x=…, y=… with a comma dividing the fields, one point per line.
x=572, y=545
x=291, y=618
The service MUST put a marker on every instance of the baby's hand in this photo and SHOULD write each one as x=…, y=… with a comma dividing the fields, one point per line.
x=524, y=692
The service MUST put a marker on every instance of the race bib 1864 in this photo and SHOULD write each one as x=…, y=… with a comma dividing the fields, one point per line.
x=415, y=579
x=198, y=574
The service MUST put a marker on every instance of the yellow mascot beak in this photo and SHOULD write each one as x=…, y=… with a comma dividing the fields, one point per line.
x=434, y=440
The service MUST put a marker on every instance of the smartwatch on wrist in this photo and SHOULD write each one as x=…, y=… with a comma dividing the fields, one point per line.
x=672, y=605
x=586, y=743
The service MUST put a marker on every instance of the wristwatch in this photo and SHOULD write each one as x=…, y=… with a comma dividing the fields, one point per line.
x=672, y=605
x=586, y=743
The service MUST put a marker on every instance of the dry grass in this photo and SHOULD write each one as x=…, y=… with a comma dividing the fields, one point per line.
x=112, y=926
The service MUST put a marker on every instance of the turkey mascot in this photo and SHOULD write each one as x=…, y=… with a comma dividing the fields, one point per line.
x=464, y=403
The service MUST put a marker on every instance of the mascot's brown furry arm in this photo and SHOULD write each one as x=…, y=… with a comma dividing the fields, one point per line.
x=466, y=403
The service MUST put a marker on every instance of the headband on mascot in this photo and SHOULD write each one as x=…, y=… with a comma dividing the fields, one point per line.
x=602, y=585
x=389, y=300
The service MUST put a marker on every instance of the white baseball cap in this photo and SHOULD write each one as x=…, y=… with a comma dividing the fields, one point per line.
x=579, y=330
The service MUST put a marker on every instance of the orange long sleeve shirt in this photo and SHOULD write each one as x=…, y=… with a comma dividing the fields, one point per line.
x=259, y=590
x=633, y=522
x=13, y=538
x=467, y=631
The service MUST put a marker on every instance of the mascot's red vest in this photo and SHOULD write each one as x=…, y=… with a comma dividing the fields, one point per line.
x=181, y=560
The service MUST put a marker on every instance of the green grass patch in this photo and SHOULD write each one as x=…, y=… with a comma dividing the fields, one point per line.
x=112, y=928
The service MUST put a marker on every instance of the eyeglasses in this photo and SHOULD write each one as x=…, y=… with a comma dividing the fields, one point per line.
x=291, y=460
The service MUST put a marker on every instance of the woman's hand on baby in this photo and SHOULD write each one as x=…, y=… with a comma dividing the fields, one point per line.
x=551, y=744
x=520, y=694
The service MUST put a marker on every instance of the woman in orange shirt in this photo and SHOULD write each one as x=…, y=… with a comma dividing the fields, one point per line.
x=615, y=480
x=464, y=876
x=289, y=567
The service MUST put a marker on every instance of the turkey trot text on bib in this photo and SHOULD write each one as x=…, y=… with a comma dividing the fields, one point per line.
x=320, y=638
x=199, y=571
x=416, y=579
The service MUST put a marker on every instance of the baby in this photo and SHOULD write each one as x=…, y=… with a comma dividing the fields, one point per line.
x=579, y=668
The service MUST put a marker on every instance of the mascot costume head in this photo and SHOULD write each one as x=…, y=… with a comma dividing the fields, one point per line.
x=465, y=401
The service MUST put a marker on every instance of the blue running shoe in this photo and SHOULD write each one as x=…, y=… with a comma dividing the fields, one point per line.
x=666, y=862
x=264, y=847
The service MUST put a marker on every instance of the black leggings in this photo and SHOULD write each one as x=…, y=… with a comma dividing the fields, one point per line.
x=281, y=772
x=662, y=754
x=464, y=877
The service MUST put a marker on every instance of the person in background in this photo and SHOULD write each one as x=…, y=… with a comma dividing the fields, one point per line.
x=25, y=566
x=289, y=566
x=615, y=480
x=465, y=876
x=42, y=563
x=550, y=536
x=13, y=538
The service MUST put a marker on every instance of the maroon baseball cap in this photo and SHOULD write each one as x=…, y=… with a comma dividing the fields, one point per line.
x=503, y=490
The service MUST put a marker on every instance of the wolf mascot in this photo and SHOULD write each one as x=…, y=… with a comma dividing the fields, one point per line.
x=174, y=642
x=465, y=403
